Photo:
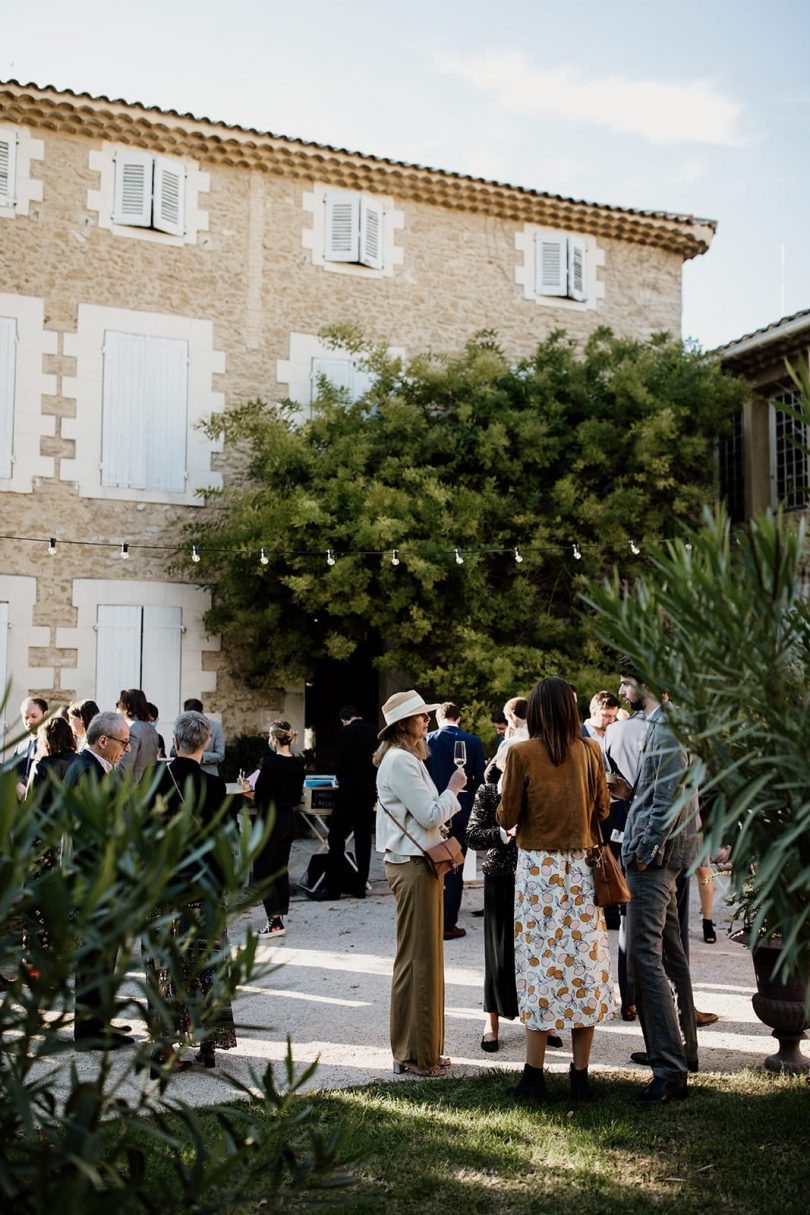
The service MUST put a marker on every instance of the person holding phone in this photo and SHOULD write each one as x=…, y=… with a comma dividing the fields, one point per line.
x=451, y=747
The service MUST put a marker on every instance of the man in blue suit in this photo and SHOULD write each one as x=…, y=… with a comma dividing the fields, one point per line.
x=440, y=762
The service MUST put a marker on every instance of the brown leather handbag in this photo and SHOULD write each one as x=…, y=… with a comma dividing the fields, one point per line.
x=441, y=858
x=609, y=884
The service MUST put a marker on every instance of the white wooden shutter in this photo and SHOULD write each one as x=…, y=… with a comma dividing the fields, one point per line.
x=577, y=283
x=8, y=362
x=8, y=162
x=337, y=371
x=123, y=422
x=342, y=228
x=3, y=672
x=170, y=187
x=362, y=379
x=165, y=413
x=118, y=651
x=144, y=429
x=133, y=189
x=161, y=646
x=551, y=264
x=371, y=234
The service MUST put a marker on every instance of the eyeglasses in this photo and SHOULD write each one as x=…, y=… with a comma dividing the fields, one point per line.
x=124, y=742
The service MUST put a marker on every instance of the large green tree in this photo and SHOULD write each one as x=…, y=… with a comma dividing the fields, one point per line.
x=605, y=448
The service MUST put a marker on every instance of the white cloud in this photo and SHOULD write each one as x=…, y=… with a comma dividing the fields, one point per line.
x=660, y=111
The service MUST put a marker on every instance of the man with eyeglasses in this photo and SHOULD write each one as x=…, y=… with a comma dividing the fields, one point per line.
x=106, y=740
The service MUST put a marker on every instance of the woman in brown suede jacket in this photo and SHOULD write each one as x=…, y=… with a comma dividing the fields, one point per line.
x=552, y=785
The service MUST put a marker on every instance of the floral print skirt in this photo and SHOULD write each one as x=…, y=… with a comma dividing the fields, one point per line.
x=562, y=961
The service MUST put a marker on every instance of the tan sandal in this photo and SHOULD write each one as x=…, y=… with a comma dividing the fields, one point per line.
x=412, y=1069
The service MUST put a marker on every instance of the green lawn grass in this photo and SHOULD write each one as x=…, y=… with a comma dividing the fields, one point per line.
x=739, y=1144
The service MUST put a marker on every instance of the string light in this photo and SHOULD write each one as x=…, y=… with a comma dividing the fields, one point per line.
x=51, y=547
x=195, y=553
x=124, y=552
x=330, y=556
x=518, y=556
x=576, y=552
x=688, y=547
x=634, y=549
x=263, y=558
x=459, y=558
x=395, y=557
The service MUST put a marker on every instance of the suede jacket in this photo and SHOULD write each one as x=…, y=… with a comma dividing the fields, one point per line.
x=553, y=805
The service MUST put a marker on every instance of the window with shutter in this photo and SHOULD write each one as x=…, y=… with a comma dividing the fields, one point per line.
x=8, y=363
x=144, y=429
x=8, y=157
x=139, y=647
x=560, y=266
x=354, y=230
x=343, y=373
x=149, y=192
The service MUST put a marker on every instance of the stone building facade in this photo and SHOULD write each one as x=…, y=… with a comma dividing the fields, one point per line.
x=156, y=268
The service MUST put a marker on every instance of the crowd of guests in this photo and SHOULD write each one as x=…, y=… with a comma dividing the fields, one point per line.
x=534, y=810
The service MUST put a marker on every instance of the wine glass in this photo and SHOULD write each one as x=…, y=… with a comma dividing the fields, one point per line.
x=460, y=753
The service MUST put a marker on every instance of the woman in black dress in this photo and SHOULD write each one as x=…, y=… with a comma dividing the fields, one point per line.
x=181, y=778
x=279, y=787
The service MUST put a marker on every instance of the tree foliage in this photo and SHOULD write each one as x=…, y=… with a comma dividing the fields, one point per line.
x=598, y=446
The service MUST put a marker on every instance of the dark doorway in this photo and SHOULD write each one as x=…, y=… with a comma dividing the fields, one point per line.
x=333, y=685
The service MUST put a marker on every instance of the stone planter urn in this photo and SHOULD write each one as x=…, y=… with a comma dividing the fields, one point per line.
x=781, y=1004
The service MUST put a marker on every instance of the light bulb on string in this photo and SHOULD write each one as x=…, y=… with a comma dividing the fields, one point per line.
x=576, y=551
x=395, y=557
x=459, y=558
x=330, y=556
x=634, y=549
x=195, y=553
x=688, y=547
x=124, y=552
x=263, y=558
x=51, y=547
x=518, y=556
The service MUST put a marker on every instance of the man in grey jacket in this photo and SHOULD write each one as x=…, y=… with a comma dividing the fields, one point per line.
x=656, y=847
x=215, y=753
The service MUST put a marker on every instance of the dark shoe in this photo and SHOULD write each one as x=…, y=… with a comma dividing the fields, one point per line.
x=709, y=935
x=629, y=1012
x=478, y=913
x=273, y=928
x=578, y=1079
x=111, y=1041
x=206, y=1055
x=531, y=1086
x=641, y=1057
x=703, y=1019
x=661, y=1090
x=490, y=1045
x=453, y=934
x=164, y=1059
x=554, y=1040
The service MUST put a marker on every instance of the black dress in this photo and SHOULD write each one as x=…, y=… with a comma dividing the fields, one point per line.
x=498, y=866
x=279, y=787
x=197, y=966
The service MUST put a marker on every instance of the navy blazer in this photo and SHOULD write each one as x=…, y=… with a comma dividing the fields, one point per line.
x=441, y=744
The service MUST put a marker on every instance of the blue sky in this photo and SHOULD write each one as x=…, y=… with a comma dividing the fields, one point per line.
x=700, y=107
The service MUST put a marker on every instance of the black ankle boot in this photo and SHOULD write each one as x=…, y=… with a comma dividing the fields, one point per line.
x=532, y=1084
x=580, y=1090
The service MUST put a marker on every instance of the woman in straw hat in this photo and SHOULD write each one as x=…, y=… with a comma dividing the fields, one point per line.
x=409, y=820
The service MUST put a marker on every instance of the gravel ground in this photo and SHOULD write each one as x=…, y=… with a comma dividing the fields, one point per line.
x=329, y=988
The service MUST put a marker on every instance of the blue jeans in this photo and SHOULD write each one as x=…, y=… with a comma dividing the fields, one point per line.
x=655, y=959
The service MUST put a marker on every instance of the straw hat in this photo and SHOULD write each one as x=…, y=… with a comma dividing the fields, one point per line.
x=402, y=705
